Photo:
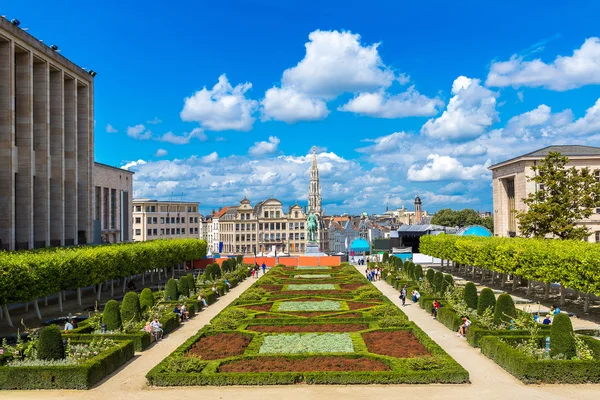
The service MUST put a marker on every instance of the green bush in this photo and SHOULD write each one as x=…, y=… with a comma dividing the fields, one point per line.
x=130, y=307
x=50, y=345
x=146, y=299
x=183, y=287
x=470, y=295
x=171, y=290
x=447, y=283
x=562, y=340
x=449, y=318
x=191, y=282
x=438, y=282
x=111, y=316
x=487, y=299
x=504, y=310
x=418, y=272
x=385, y=258
x=429, y=275
x=410, y=270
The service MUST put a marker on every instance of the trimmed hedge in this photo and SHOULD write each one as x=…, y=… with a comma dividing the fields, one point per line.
x=50, y=345
x=470, y=295
x=82, y=376
x=171, y=290
x=111, y=316
x=449, y=318
x=429, y=275
x=438, y=282
x=146, y=299
x=476, y=332
x=530, y=370
x=183, y=287
x=447, y=283
x=504, y=310
x=487, y=299
x=130, y=307
x=561, y=337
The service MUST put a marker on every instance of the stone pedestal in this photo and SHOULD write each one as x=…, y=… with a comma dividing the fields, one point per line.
x=312, y=249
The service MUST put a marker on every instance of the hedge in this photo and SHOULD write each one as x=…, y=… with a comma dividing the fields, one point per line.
x=561, y=337
x=476, y=332
x=530, y=370
x=449, y=318
x=470, y=295
x=81, y=376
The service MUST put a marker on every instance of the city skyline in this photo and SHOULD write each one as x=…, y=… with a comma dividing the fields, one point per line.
x=396, y=107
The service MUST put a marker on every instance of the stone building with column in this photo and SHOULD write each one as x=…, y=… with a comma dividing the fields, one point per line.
x=510, y=185
x=46, y=144
x=112, y=211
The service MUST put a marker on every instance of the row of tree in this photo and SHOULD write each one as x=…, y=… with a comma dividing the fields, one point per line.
x=574, y=264
x=461, y=218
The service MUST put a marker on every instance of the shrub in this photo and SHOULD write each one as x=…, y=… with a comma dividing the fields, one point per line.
x=504, y=310
x=111, y=316
x=130, y=307
x=239, y=259
x=183, y=287
x=50, y=345
x=447, y=283
x=429, y=275
x=411, y=271
x=487, y=299
x=253, y=294
x=385, y=257
x=146, y=299
x=171, y=290
x=191, y=282
x=561, y=337
x=438, y=282
x=470, y=295
x=418, y=272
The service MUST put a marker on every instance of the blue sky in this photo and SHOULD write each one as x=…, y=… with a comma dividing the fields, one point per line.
x=213, y=101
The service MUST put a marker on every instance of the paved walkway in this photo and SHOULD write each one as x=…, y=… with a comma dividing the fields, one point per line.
x=487, y=378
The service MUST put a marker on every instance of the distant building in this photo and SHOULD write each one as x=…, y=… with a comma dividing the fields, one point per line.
x=510, y=186
x=153, y=219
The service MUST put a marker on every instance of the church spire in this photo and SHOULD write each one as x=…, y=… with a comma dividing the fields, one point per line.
x=314, y=188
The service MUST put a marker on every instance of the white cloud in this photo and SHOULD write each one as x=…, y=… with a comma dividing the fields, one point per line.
x=439, y=168
x=383, y=105
x=220, y=139
x=564, y=73
x=288, y=105
x=588, y=124
x=469, y=113
x=210, y=158
x=133, y=164
x=223, y=108
x=139, y=132
x=161, y=153
x=403, y=79
x=469, y=149
x=110, y=129
x=172, y=138
x=264, y=148
x=433, y=198
x=336, y=63
x=385, y=144
x=154, y=121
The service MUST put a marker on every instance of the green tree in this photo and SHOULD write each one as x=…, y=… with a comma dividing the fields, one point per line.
x=111, y=316
x=565, y=196
x=171, y=293
x=183, y=286
x=146, y=299
x=429, y=275
x=50, y=345
x=470, y=295
x=504, y=310
x=487, y=299
x=438, y=281
x=447, y=283
x=561, y=337
x=130, y=307
x=418, y=272
x=460, y=218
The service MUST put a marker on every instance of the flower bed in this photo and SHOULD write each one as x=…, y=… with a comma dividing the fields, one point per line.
x=325, y=305
x=328, y=363
x=400, y=344
x=312, y=276
x=311, y=286
x=220, y=345
x=307, y=343
x=308, y=328
x=315, y=268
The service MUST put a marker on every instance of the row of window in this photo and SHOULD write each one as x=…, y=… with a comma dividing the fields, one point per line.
x=163, y=220
x=166, y=231
x=272, y=236
x=166, y=209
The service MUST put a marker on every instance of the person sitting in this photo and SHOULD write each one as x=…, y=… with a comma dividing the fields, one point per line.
x=227, y=283
x=435, y=306
x=215, y=291
x=177, y=310
x=185, y=315
x=148, y=328
x=554, y=310
x=201, y=299
x=547, y=320
x=68, y=326
x=462, y=330
x=415, y=295
x=157, y=327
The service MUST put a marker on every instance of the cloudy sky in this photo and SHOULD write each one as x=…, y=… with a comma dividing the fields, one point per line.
x=212, y=101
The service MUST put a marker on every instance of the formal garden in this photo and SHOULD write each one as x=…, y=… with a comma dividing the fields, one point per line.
x=529, y=350
x=318, y=325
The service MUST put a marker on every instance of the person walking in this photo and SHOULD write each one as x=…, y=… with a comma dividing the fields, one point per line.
x=264, y=268
x=403, y=295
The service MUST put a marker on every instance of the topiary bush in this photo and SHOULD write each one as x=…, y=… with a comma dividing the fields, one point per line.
x=411, y=271
x=111, y=316
x=130, y=307
x=385, y=257
x=504, y=310
x=183, y=287
x=561, y=337
x=438, y=281
x=418, y=272
x=447, y=283
x=171, y=290
x=146, y=299
x=487, y=299
x=191, y=282
x=429, y=275
x=50, y=345
x=470, y=295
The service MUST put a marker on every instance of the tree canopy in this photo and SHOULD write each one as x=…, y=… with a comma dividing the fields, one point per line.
x=460, y=218
x=563, y=196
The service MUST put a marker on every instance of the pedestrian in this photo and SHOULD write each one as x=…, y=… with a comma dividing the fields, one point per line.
x=403, y=295
x=252, y=272
x=435, y=306
x=256, y=270
x=415, y=295
x=264, y=267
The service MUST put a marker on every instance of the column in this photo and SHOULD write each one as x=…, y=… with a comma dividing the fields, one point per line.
x=70, y=176
x=57, y=158
x=41, y=146
x=7, y=141
x=84, y=166
x=24, y=142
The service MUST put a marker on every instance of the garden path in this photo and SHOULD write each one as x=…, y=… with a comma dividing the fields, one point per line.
x=490, y=382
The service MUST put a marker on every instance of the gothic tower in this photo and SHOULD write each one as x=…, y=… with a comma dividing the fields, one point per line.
x=314, y=188
x=418, y=211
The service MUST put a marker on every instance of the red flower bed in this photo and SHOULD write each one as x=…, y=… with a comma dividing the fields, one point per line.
x=357, y=306
x=309, y=328
x=271, y=288
x=267, y=316
x=221, y=345
x=400, y=344
x=305, y=292
x=260, y=307
x=321, y=313
x=351, y=286
x=277, y=364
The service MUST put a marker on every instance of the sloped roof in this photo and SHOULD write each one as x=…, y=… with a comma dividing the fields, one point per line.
x=565, y=150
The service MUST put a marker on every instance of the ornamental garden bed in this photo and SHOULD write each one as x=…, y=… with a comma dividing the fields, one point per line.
x=345, y=336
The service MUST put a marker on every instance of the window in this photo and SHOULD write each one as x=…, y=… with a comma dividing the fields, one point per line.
x=597, y=175
x=597, y=236
x=272, y=226
x=149, y=232
x=189, y=209
x=183, y=231
x=113, y=208
x=177, y=220
x=138, y=208
x=283, y=225
x=155, y=220
x=178, y=231
x=149, y=220
x=260, y=226
x=172, y=220
x=162, y=220
x=277, y=214
x=191, y=220
x=162, y=231
x=283, y=236
x=154, y=232
x=266, y=214
x=295, y=214
x=196, y=220
x=138, y=220
x=147, y=208
x=168, y=220
x=138, y=232
x=271, y=213
x=301, y=225
x=152, y=208
x=597, y=210
x=237, y=227
x=243, y=216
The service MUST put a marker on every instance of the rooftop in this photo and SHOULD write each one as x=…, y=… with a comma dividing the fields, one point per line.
x=96, y=163
x=565, y=150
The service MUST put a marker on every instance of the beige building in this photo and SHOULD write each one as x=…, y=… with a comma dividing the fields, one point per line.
x=46, y=144
x=510, y=186
x=113, y=188
x=245, y=229
x=153, y=219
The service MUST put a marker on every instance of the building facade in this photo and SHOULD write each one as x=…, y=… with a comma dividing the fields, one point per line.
x=153, y=219
x=341, y=232
x=113, y=188
x=207, y=233
x=510, y=185
x=46, y=144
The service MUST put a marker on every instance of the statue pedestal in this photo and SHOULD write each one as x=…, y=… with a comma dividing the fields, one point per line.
x=312, y=249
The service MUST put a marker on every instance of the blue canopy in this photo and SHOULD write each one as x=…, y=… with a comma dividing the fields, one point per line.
x=360, y=245
x=474, y=230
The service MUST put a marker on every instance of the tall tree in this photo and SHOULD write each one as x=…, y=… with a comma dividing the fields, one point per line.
x=564, y=196
x=460, y=218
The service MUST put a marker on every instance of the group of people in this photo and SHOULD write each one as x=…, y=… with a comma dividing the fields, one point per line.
x=70, y=325
x=154, y=328
x=547, y=320
x=256, y=269
x=373, y=274
x=182, y=312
